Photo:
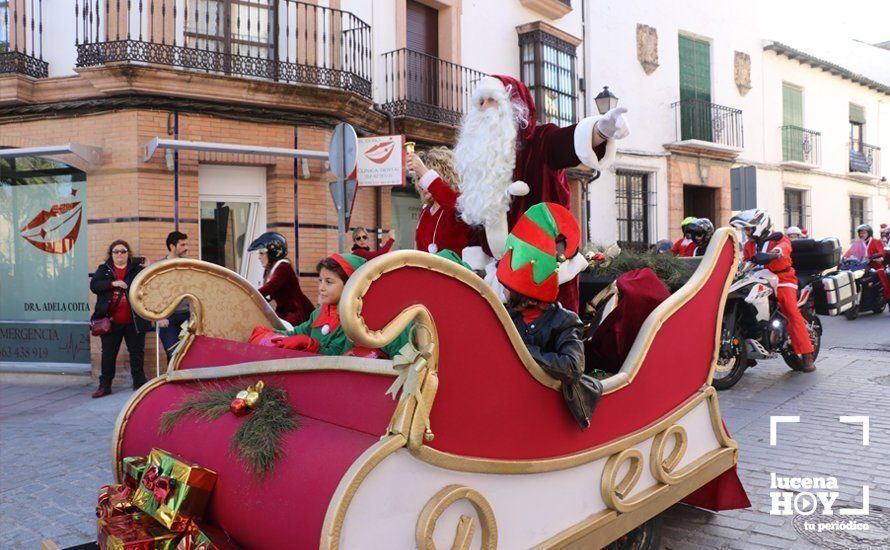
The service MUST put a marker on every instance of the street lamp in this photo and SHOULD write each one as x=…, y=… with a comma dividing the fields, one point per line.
x=605, y=101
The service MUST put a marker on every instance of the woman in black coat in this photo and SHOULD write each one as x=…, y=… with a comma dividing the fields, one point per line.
x=110, y=283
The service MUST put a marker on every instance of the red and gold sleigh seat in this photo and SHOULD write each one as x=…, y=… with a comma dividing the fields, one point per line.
x=502, y=463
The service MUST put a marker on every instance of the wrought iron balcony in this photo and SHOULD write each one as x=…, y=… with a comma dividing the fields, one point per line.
x=800, y=145
x=21, y=39
x=865, y=158
x=703, y=121
x=278, y=40
x=422, y=86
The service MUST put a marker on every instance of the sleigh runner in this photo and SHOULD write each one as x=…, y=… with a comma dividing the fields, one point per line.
x=477, y=451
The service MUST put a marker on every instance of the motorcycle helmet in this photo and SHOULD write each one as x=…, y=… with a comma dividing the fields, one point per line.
x=703, y=228
x=273, y=244
x=792, y=231
x=867, y=228
x=685, y=223
x=755, y=219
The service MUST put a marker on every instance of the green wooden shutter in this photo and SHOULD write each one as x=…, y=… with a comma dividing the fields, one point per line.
x=792, y=115
x=695, y=89
x=857, y=114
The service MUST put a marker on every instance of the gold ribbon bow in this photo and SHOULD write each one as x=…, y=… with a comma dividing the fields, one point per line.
x=187, y=327
x=411, y=363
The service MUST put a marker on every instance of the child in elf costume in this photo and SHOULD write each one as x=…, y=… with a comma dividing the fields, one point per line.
x=322, y=332
x=551, y=333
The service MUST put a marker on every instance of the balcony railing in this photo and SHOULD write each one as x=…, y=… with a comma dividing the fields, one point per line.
x=279, y=40
x=422, y=86
x=801, y=145
x=21, y=38
x=700, y=120
x=865, y=158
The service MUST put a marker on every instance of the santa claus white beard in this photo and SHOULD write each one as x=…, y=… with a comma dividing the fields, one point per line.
x=485, y=157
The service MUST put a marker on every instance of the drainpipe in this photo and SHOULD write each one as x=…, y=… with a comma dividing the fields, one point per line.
x=297, y=162
x=378, y=198
x=584, y=67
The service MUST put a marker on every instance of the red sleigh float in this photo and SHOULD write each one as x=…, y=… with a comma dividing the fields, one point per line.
x=500, y=462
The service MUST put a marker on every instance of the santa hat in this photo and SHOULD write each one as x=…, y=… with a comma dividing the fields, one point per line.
x=530, y=265
x=517, y=92
x=348, y=262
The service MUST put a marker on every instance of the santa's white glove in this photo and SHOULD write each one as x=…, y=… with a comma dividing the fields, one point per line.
x=491, y=277
x=613, y=124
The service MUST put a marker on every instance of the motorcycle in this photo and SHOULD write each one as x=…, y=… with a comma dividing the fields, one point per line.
x=868, y=289
x=754, y=326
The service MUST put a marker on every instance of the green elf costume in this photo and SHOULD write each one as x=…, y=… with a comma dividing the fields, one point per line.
x=551, y=333
x=323, y=333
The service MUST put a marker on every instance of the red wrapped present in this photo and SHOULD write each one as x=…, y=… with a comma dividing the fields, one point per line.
x=114, y=500
x=206, y=537
x=133, y=467
x=135, y=531
x=173, y=490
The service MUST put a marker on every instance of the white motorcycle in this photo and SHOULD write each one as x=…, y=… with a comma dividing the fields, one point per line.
x=754, y=326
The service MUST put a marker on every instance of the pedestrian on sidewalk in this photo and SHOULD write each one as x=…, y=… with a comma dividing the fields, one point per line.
x=110, y=283
x=169, y=328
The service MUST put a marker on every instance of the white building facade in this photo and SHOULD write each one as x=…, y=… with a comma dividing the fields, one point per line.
x=723, y=120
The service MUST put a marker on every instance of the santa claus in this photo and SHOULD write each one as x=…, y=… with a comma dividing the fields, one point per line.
x=508, y=163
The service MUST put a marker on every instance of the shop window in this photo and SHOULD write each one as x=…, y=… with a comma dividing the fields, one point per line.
x=44, y=309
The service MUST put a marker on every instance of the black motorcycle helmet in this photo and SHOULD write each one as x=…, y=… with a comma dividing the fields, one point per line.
x=274, y=244
x=703, y=228
x=867, y=228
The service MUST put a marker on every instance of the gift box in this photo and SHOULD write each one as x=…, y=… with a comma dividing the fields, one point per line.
x=133, y=467
x=173, y=490
x=114, y=500
x=136, y=531
x=206, y=537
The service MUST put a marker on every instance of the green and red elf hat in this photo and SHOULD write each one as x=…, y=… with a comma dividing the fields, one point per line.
x=349, y=262
x=531, y=262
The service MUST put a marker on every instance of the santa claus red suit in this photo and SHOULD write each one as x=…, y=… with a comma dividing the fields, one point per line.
x=283, y=287
x=684, y=248
x=500, y=148
x=874, y=247
x=441, y=229
x=786, y=293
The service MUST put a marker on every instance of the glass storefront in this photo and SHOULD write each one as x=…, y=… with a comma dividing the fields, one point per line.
x=44, y=285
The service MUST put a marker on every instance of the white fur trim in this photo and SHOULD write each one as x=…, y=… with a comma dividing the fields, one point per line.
x=491, y=277
x=572, y=267
x=475, y=257
x=427, y=179
x=274, y=267
x=584, y=145
x=518, y=189
x=496, y=235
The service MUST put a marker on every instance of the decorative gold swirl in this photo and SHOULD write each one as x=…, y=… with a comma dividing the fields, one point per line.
x=466, y=527
x=615, y=492
x=662, y=467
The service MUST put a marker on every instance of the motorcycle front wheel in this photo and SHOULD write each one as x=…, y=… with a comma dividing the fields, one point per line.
x=729, y=370
x=794, y=360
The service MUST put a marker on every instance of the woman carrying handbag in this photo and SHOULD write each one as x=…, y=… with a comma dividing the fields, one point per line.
x=113, y=320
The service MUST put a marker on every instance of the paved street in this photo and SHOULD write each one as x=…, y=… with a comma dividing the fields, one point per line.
x=54, y=450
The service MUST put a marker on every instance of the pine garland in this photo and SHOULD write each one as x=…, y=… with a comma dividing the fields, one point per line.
x=257, y=441
x=673, y=271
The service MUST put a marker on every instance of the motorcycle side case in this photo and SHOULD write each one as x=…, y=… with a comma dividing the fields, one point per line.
x=839, y=294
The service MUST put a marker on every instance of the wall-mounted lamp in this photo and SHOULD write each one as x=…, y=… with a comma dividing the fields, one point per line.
x=605, y=101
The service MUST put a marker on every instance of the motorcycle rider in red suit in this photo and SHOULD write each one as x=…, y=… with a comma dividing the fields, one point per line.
x=773, y=251
x=874, y=251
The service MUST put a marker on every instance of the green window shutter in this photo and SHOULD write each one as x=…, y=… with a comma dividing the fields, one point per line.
x=695, y=89
x=857, y=114
x=792, y=115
